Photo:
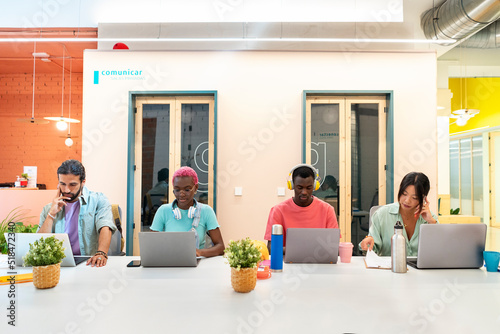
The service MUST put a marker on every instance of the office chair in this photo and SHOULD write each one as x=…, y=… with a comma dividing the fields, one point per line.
x=117, y=241
x=372, y=211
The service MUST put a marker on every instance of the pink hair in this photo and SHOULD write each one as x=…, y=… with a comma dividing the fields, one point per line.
x=186, y=171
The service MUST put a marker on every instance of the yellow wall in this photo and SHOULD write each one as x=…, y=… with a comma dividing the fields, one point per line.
x=482, y=94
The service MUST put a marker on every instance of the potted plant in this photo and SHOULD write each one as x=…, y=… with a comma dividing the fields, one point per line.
x=24, y=179
x=243, y=257
x=15, y=218
x=45, y=256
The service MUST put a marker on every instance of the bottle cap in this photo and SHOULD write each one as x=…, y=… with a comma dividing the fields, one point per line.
x=398, y=225
x=277, y=229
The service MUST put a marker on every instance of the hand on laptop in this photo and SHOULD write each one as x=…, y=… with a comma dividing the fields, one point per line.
x=367, y=243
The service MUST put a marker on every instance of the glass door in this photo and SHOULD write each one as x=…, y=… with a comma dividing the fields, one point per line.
x=345, y=141
x=170, y=132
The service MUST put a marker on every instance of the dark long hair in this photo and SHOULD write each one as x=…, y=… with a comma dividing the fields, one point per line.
x=421, y=183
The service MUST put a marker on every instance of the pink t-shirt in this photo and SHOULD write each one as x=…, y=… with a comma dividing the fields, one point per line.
x=318, y=214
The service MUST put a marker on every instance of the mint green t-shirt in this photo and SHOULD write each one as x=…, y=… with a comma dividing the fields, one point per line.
x=165, y=221
x=382, y=230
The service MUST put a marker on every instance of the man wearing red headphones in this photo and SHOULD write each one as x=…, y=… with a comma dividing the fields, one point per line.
x=303, y=210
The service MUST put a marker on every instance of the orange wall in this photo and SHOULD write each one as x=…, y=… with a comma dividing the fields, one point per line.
x=41, y=145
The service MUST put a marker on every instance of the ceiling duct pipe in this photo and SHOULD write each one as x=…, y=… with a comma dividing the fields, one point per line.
x=458, y=19
x=488, y=38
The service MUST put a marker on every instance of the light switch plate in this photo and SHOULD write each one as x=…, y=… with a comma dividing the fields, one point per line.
x=238, y=191
x=281, y=191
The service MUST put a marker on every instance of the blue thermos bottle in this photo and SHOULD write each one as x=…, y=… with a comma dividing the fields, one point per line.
x=277, y=248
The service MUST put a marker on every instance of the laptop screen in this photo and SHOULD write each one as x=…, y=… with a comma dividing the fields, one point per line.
x=312, y=245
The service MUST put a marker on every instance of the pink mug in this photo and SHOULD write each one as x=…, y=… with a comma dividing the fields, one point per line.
x=345, y=252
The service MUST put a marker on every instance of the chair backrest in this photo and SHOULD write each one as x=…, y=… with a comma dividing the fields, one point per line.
x=117, y=241
x=372, y=211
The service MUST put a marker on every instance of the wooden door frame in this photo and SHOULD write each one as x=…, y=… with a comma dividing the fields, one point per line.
x=345, y=102
x=135, y=141
x=493, y=209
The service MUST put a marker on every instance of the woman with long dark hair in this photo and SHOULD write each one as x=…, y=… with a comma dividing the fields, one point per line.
x=412, y=210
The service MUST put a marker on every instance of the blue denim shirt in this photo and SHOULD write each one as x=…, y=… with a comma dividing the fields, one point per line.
x=95, y=213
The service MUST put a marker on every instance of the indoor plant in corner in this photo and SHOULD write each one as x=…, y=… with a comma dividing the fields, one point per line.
x=45, y=256
x=243, y=257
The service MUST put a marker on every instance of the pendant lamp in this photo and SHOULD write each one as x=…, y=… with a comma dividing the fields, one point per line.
x=462, y=115
x=33, y=120
x=62, y=122
x=69, y=141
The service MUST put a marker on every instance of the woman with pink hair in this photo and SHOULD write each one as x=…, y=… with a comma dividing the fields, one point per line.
x=186, y=214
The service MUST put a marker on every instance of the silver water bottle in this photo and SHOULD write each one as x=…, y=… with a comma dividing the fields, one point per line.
x=398, y=249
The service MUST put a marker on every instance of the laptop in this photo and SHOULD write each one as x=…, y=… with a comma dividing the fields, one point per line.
x=450, y=246
x=312, y=245
x=168, y=249
x=23, y=241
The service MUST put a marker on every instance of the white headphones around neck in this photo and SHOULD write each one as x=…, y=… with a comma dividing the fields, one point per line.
x=193, y=212
x=177, y=212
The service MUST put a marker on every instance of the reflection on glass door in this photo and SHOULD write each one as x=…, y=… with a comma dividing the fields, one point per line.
x=346, y=143
x=170, y=132
x=325, y=149
x=155, y=159
x=195, y=144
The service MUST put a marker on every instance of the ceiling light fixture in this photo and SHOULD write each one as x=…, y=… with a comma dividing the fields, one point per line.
x=463, y=114
x=34, y=120
x=62, y=122
x=69, y=141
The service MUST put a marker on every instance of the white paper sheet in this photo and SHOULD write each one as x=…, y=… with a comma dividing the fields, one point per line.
x=372, y=260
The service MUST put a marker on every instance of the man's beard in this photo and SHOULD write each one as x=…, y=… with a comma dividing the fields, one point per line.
x=73, y=196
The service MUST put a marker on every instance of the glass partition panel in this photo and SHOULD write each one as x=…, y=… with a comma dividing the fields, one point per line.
x=477, y=175
x=454, y=175
x=465, y=177
x=325, y=150
x=364, y=165
x=155, y=159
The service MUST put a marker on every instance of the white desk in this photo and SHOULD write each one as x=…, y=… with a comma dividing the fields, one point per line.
x=341, y=298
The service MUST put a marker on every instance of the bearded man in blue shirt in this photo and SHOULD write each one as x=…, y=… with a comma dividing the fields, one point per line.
x=83, y=214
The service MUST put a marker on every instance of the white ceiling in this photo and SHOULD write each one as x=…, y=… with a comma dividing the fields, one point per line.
x=89, y=13
x=128, y=18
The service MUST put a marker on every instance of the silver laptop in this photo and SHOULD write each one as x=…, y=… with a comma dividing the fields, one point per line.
x=448, y=246
x=312, y=245
x=23, y=241
x=168, y=249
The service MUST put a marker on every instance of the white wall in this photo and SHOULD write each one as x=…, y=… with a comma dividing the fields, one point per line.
x=259, y=116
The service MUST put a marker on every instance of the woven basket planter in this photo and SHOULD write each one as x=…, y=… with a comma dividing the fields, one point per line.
x=243, y=280
x=45, y=277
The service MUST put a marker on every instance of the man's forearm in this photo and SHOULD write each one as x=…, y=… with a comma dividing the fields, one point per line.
x=47, y=225
x=105, y=234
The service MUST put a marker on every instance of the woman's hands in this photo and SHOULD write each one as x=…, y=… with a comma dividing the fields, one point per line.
x=367, y=243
